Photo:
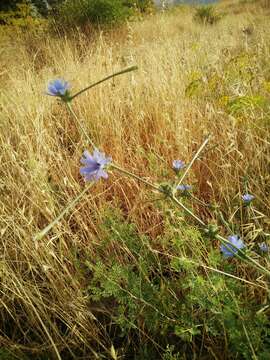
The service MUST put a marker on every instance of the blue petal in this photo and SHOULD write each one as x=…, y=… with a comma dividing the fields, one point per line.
x=58, y=87
x=52, y=90
x=87, y=158
x=89, y=169
x=98, y=156
x=88, y=175
x=102, y=173
x=226, y=252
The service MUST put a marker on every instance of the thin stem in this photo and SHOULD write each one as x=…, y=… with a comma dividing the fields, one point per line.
x=199, y=201
x=181, y=205
x=192, y=161
x=43, y=232
x=225, y=223
x=155, y=187
x=146, y=182
x=132, y=68
x=79, y=124
x=208, y=268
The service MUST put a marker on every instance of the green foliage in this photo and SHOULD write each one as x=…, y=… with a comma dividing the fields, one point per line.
x=42, y=6
x=245, y=104
x=207, y=15
x=7, y=355
x=170, y=354
x=8, y=5
x=98, y=12
x=233, y=87
x=170, y=299
x=23, y=15
x=142, y=6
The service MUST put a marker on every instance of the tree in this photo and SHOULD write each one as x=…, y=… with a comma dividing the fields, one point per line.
x=8, y=5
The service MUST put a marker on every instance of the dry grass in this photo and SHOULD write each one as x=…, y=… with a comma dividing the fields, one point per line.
x=144, y=120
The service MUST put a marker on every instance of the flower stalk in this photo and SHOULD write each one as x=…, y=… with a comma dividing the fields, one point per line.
x=68, y=104
x=195, y=157
x=65, y=211
x=132, y=68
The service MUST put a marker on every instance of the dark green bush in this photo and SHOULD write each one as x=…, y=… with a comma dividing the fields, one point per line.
x=98, y=12
x=23, y=15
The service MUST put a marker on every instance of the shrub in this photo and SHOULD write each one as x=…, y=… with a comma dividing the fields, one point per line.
x=142, y=6
x=24, y=14
x=207, y=15
x=102, y=12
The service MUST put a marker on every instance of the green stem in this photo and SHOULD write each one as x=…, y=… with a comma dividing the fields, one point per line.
x=199, y=201
x=224, y=222
x=128, y=173
x=192, y=162
x=209, y=268
x=132, y=68
x=187, y=210
x=79, y=124
x=43, y=232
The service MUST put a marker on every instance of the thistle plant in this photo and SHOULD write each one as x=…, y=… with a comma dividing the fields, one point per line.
x=98, y=165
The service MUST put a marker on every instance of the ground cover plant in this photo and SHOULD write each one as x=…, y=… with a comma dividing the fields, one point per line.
x=135, y=211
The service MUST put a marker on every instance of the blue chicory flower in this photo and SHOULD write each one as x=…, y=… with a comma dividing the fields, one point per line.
x=184, y=187
x=178, y=165
x=247, y=198
x=58, y=87
x=264, y=247
x=230, y=250
x=94, y=165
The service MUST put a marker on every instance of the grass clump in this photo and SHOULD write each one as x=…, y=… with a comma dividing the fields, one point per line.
x=207, y=15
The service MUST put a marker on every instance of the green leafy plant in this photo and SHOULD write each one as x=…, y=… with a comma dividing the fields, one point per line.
x=170, y=299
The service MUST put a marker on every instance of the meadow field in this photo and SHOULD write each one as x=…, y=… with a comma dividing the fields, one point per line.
x=130, y=268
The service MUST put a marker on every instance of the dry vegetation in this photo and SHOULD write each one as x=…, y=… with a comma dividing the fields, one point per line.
x=189, y=79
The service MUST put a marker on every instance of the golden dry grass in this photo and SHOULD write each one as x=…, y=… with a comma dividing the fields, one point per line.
x=143, y=120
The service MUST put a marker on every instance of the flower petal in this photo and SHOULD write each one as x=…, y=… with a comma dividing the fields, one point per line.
x=102, y=173
x=87, y=158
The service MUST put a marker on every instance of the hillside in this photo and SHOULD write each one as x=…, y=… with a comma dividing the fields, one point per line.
x=129, y=267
